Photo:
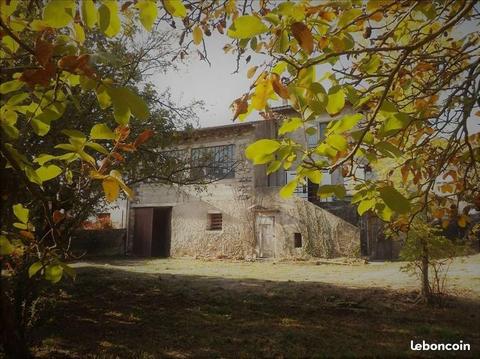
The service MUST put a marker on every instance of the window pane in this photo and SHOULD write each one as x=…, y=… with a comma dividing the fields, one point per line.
x=216, y=162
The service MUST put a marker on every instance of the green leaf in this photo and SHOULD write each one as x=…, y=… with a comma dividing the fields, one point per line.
x=330, y=189
x=388, y=150
x=32, y=175
x=336, y=100
x=338, y=142
x=69, y=270
x=346, y=123
x=315, y=176
x=89, y=13
x=97, y=147
x=59, y=13
x=247, y=26
x=100, y=131
x=348, y=16
x=365, y=205
x=34, y=268
x=137, y=105
x=66, y=147
x=175, y=8
x=46, y=173
x=43, y=158
x=53, y=272
x=290, y=125
x=147, y=12
x=39, y=127
x=274, y=166
x=287, y=190
x=394, y=199
x=384, y=212
x=109, y=19
x=11, y=86
x=103, y=97
x=48, y=115
x=6, y=247
x=20, y=225
x=395, y=122
x=20, y=212
x=260, y=151
x=74, y=133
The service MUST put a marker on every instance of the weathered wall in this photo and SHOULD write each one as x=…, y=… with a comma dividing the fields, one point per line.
x=323, y=234
x=240, y=199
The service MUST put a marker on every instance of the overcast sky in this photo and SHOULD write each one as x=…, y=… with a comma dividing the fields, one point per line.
x=217, y=85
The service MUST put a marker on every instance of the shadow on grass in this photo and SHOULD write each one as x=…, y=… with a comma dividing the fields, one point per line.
x=112, y=312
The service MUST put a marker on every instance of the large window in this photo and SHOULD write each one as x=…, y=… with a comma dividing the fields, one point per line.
x=216, y=162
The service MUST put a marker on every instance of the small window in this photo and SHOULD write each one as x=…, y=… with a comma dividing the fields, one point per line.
x=214, y=221
x=297, y=237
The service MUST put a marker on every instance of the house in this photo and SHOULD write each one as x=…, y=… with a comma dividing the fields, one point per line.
x=240, y=214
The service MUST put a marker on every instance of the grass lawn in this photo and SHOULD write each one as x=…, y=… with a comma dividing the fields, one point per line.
x=190, y=308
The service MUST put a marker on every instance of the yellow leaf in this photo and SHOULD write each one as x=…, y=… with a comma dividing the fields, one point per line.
x=175, y=8
x=79, y=33
x=251, y=71
x=197, y=35
x=111, y=188
x=303, y=35
x=263, y=90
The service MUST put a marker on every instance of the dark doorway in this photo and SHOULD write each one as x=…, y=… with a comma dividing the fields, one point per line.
x=152, y=232
x=161, y=231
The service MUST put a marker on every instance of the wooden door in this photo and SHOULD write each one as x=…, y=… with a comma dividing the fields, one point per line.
x=265, y=229
x=142, y=240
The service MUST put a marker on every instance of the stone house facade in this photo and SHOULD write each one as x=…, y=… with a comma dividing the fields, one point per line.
x=240, y=214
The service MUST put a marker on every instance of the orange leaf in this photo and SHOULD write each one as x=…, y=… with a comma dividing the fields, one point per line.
x=445, y=223
x=323, y=42
x=125, y=6
x=127, y=147
x=239, y=106
x=377, y=16
x=118, y=156
x=57, y=216
x=122, y=132
x=40, y=76
x=143, y=137
x=43, y=51
x=27, y=234
x=327, y=15
x=438, y=213
x=303, y=35
x=279, y=88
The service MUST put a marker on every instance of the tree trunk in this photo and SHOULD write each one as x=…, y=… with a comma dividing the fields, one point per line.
x=426, y=292
x=13, y=340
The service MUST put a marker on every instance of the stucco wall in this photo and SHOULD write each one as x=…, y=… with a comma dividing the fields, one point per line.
x=323, y=234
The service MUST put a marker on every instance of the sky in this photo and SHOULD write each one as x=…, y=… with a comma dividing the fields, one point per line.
x=216, y=85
